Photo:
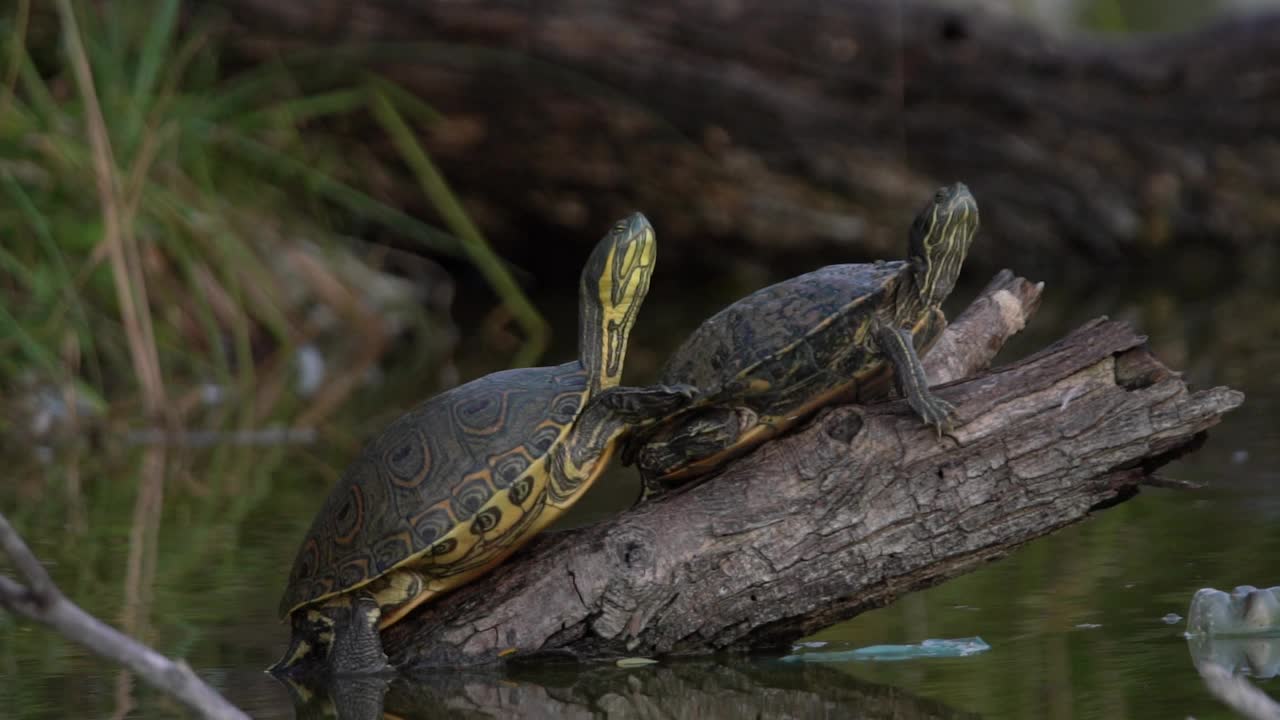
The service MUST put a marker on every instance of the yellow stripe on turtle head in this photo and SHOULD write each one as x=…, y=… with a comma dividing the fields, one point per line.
x=614, y=283
x=940, y=239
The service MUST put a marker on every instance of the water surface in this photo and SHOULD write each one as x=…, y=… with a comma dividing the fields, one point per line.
x=189, y=549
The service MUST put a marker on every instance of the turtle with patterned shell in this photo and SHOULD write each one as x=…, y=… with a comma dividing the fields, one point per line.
x=460, y=482
x=770, y=360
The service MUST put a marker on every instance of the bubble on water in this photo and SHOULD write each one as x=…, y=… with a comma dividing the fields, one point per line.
x=1171, y=619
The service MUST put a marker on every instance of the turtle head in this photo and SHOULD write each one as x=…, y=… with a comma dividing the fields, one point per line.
x=614, y=283
x=940, y=238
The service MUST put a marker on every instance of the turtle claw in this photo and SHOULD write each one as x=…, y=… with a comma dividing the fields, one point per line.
x=934, y=411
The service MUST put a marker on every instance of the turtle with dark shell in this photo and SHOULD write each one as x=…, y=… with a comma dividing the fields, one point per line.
x=769, y=360
x=460, y=482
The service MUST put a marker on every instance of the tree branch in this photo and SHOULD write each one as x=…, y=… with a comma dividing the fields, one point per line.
x=43, y=602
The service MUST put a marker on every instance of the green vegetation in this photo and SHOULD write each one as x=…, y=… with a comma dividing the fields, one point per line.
x=1125, y=17
x=171, y=222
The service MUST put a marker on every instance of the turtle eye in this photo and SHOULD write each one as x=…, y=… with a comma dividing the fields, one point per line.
x=940, y=196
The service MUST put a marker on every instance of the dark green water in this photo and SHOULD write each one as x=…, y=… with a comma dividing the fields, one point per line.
x=189, y=550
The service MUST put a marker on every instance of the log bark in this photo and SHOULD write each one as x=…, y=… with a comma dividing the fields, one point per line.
x=863, y=505
x=805, y=131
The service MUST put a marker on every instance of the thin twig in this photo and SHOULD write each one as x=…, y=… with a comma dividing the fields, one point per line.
x=1238, y=694
x=41, y=585
x=43, y=602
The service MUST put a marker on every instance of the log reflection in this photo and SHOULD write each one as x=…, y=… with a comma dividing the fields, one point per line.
x=710, y=689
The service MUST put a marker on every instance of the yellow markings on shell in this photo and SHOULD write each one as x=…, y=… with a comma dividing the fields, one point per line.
x=465, y=541
x=424, y=575
x=861, y=334
x=397, y=587
x=508, y=651
x=859, y=339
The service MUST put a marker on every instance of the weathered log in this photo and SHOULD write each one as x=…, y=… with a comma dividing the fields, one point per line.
x=812, y=129
x=863, y=505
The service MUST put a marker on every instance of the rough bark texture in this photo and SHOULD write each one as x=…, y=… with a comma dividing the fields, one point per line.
x=815, y=128
x=863, y=505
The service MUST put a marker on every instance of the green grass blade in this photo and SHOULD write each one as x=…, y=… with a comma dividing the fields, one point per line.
x=433, y=184
x=36, y=353
x=36, y=91
x=407, y=102
x=339, y=102
x=40, y=226
x=343, y=194
x=155, y=52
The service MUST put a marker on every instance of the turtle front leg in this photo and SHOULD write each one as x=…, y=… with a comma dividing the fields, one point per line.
x=694, y=437
x=908, y=374
x=309, y=632
x=617, y=410
x=641, y=406
x=357, y=647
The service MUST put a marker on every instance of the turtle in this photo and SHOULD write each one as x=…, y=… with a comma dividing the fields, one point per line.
x=458, y=483
x=769, y=360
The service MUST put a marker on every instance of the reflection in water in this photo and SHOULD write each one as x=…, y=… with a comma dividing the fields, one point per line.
x=729, y=689
x=1223, y=663
x=1257, y=657
x=140, y=569
x=1232, y=635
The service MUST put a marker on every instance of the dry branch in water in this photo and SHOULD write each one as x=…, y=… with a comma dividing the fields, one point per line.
x=41, y=600
x=861, y=506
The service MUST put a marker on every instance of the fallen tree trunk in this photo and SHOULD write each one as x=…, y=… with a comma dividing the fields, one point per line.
x=805, y=131
x=863, y=505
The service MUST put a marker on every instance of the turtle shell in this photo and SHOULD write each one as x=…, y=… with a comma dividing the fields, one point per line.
x=432, y=470
x=786, y=336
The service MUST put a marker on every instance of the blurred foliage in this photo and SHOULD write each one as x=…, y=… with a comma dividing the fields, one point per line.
x=173, y=222
x=1130, y=16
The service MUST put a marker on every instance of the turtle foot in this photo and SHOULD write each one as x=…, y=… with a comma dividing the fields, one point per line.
x=357, y=647
x=934, y=411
